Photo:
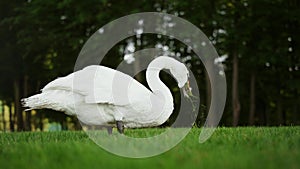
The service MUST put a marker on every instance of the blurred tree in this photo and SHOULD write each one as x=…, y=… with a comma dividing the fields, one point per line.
x=231, y=20
x=11, y=59
x=40, y=40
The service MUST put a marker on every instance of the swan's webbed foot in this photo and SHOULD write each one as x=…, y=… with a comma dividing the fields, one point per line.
x=120, y=127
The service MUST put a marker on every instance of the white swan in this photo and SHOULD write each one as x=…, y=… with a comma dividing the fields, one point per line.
x=99, y=95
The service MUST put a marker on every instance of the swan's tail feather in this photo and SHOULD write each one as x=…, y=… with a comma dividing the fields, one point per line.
x=55, y=99
x=35, y=102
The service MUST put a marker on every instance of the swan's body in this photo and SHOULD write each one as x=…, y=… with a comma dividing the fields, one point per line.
x=99, y=95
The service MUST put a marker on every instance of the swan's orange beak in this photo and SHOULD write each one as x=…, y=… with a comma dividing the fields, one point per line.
x=187, y=91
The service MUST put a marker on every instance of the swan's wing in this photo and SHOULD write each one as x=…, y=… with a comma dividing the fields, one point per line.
x=114, y=87
x=78, y=82
x=99, y=84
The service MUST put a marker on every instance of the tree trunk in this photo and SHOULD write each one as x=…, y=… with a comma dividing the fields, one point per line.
x=266, y=115
x=235, y=94
x=252, y=99
x=41, y=124
x=279, y=112
x=18, y=110
x=11, y=119
x=77, y=124
x=208, y=121
x=208, y=92
x=3, y=116
x=28, y=113
x=296, y=117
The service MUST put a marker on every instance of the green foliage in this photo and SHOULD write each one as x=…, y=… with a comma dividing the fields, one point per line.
x=227, y=148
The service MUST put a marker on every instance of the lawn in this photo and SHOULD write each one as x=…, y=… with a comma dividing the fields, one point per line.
x=244, y=147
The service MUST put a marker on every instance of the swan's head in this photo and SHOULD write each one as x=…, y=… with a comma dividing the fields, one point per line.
x=181, y=74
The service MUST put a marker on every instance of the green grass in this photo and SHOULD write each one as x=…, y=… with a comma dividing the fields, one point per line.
x=227, y=148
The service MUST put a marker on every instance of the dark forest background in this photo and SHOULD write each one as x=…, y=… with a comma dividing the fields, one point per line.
x=40, y=41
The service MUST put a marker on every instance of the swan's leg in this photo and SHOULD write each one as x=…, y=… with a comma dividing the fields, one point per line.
x=109, y=130
x=120, y=126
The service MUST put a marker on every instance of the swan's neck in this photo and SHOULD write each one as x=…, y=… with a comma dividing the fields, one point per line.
x=159, y=89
